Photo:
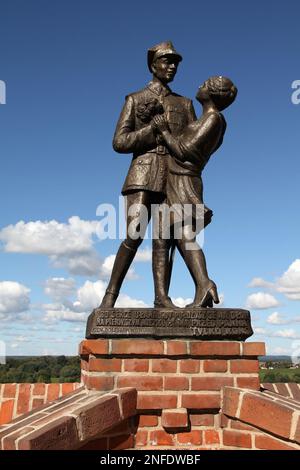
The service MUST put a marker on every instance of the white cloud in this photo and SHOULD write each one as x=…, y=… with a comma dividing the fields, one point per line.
x=261, y=300
x=143, y=255
x=289, y=282
x=107, y=267
x=181, y=302
x=288, y=333
x=280, y=351
x=88, y=264
x=49, y=238
x=126, y=301
x=89, y=296
x=277, y=319
x=59, y=288
x=259, y=282
x=259, y=331
x=68, y=245
x=14, y=298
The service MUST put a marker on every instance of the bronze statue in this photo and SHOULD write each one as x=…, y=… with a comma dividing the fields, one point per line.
x=146, y=180
x=190, y=152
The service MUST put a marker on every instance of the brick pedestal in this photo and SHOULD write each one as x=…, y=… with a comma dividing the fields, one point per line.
x=179, y=383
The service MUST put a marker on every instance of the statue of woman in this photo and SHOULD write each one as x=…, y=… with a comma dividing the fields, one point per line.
x=190, y=152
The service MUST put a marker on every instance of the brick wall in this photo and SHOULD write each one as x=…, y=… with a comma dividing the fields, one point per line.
x=17, y=399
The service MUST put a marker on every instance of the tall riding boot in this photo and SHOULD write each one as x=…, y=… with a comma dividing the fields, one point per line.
x=206, y=289
x=122, y=263
x=160, y=267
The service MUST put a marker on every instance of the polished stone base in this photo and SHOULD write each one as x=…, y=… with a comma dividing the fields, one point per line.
x=200, y=323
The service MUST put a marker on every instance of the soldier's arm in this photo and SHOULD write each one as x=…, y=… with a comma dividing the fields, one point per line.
x=126, y=138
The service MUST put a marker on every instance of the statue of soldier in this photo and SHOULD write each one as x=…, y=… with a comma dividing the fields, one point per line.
x=145, y=183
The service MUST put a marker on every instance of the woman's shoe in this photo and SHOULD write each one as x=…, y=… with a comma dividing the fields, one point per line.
x=210, y=296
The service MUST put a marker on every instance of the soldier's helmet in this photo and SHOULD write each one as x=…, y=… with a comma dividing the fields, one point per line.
x=160, y=50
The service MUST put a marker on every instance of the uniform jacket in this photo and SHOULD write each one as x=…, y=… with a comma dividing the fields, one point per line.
x=134, y=134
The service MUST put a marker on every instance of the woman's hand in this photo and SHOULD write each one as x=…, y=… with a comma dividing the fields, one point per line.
x=159, y=122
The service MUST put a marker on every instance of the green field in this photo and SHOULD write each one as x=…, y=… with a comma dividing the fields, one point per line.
x=279, y=375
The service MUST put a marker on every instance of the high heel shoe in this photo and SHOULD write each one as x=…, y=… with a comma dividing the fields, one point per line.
x=210, y=296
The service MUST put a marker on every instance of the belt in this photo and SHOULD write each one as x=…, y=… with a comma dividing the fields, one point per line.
x=160, y=149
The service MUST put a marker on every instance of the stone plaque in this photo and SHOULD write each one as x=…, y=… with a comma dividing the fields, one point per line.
x=201, y=323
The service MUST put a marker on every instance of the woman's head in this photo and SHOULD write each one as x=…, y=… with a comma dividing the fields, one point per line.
x=220, y=90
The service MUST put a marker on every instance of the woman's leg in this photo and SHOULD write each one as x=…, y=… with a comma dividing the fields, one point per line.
x=206, y=290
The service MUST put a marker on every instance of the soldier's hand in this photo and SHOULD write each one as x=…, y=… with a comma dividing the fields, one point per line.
x=160, y=122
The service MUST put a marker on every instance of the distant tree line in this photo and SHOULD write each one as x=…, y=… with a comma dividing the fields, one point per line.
x=48, y=369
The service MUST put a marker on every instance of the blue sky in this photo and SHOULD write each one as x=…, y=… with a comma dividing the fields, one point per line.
x=67, y=66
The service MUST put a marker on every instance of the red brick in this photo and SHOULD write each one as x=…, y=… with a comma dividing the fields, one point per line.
x=239, y=426
x=164, y=365
x=23, y=399
x=36, y=402
x=230, y=401
x=60, y=434
x=148, y=421
x=96, y=417
x=215, y=365
x=136, y=365
x=122, y=428
x=176, y=348
x=105, y=365
x=9, y=391
x=211, y=436
x=174, y=419
x=52, y=392
x=99, y=383
x=176, y=383
x=6, y=411
x=297, y=432
x=266, y=414
x=211, y=383
x=140, y=383
x=225, y=422
x=160, y=438
x=121, y=442
x=141, y=438
x=84, y=364
x=190, y=366
x=254, y=349
x=215, y=348
x=39, y=389
x=67, y=388
x=191, y=438
x=201, y=401
x=244, y=366
x=269, y=443
x=295, y=389
x=9, y=442
x=282, y=389
x=127, y=398
x=97, y=444
x=156, y=402
x=202, y=419
x=94, y=346
x=251, y=383
x=137, y=346
x=236, y=439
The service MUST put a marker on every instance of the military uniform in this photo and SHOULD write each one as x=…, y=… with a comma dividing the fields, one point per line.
x=149, y=167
